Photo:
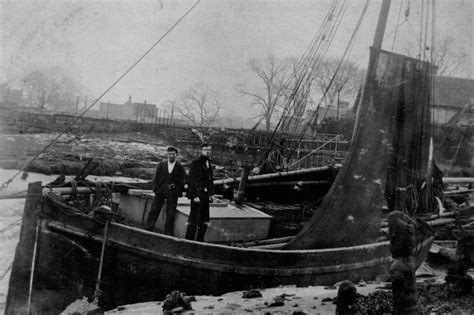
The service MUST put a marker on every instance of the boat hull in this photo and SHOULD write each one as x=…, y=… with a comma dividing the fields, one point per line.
x=310, y=185
x=143, y=266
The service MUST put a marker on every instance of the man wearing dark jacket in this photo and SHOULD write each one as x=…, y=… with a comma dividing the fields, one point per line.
x=168, y=184
x=201, y=190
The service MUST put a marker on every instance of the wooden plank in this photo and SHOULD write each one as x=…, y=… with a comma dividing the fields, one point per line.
x=219, y=266
x=17, y=299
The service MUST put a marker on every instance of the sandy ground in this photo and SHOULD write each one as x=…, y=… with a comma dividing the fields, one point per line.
x=310, y=300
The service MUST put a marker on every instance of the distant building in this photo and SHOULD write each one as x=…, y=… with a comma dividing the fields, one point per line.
x=114, y=111
x=11, y=97
x=140, y=112
x=453, y=100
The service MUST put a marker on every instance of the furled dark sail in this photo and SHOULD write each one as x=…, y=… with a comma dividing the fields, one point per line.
x=391, y=142
x=407, y=188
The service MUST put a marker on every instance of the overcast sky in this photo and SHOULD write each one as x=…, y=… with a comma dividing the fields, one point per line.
x=97, y=40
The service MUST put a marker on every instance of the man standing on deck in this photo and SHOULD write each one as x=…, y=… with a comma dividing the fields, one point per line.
x=168, y=184
x=201, y=190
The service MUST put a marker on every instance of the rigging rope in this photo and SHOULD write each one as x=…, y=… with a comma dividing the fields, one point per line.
x=344, y=56
x=421, y=28
x=315, y=65
x=315, y=45
x=398, y=24
x=12, y=225
x=411, y=29
x=312, y=59
x=425, y=48
x=33, y=265
x=6, y=271
x=313, y=151
x=5, y=184
x=311, y=63
x=433, y=42
x=98, y=292
x=320, y=65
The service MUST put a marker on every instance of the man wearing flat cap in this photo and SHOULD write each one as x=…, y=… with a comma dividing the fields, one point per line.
x=168, y=185
x=201, y=190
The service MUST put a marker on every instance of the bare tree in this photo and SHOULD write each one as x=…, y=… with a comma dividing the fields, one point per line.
x=299, y=92
x=345, y=83
x=448, y=58
x=51, y=89
x=199, y=105
x=271, y=72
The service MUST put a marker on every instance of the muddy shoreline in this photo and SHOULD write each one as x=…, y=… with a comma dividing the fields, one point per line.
x=128, y=154
x=372, y=298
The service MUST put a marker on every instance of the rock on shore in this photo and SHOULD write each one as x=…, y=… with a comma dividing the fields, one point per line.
x=133, y=155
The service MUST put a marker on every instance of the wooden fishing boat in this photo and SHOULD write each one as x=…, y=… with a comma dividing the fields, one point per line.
x=64, y=248
x=71, y=245
x=309, y=184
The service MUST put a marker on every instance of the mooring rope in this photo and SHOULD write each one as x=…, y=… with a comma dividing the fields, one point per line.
x=6, y=271
x=72, y=123
x=98, y=291
x=33, y=263
x=11, y=225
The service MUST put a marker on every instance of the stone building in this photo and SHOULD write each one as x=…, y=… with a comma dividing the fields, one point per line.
x=11, y=97
x=139, y=112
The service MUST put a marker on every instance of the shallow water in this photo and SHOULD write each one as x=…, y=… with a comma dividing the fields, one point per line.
x=11, y=211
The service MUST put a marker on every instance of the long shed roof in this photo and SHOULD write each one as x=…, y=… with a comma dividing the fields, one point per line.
x=452, y=91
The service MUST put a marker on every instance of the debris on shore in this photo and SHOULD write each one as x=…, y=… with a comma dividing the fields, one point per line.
x=125, y=154
x=373, y=298
x=176, y=302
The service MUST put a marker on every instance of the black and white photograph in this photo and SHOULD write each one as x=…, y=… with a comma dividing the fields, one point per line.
x=236, y=157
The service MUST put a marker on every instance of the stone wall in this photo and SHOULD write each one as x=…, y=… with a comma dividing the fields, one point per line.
x=33, y=121
x=229, y=145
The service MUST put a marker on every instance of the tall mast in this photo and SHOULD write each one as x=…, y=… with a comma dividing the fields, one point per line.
x=381, y=24
x=377, y=44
